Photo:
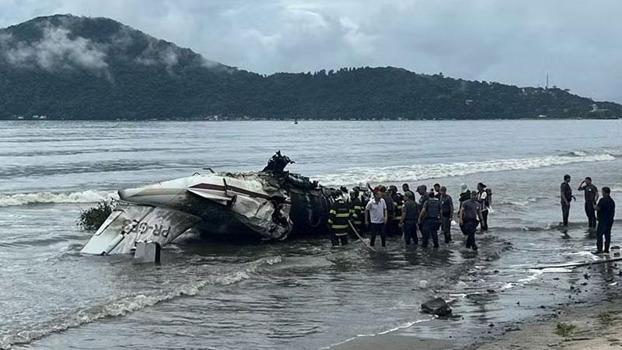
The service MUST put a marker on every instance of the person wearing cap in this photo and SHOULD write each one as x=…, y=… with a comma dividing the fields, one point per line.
x=469, y=216
x=429, y=220
x=566, y=198
x=376, y=217
x=591, y=197
x=408, y=220
x=465, y=194
x=484, y=201
x=606, y=209
x=447, y=213
x=338, y=218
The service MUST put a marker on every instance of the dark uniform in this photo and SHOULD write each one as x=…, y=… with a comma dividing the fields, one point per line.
x=606, y=212
x=388, y=200
x=470, y=217
x=464, y=196
x=357, y=213
x=566, y=191
x=338, y=221
x=591, y=192
x=422, y=199
x=431, y=221
x=398, y=203
x=447, y=205
x=411, y=211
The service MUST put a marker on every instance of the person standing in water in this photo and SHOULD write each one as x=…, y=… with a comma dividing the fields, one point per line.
x=484, y=201
x=591, y=197
x=566, y=198
x=406, y=189
x=408, y=220
x=437, y=190
x=469, y=215
x=376, y=218
x=606, y=209
x=338, y=217
x=465, y=195
x=429, y=220
x=447, y=213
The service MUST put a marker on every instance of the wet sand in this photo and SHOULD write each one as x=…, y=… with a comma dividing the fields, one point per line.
x=594, y=327
x=394, y=342
x=577, y=324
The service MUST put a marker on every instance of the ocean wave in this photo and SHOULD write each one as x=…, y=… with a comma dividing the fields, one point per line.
x=129, y=304
x=7, y=200
x=440, y=170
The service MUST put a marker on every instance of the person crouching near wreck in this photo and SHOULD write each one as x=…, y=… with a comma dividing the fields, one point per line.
x=470, y=215
x=376, y=218
x=606, y=209
x=338, y=218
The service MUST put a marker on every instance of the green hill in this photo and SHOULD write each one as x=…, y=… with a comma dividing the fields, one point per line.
x=68, y=67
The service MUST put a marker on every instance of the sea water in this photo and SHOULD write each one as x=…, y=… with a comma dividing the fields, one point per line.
x=295, y=294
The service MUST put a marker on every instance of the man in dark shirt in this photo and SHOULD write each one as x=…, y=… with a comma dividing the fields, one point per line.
x=437, y=190
x=591, y=196
x=566, y=198
x=447, y=213
x=606, y=209
x=408, y=221
x=422, y=190
x=470, y=215
x=429, y=220
x=465, y=195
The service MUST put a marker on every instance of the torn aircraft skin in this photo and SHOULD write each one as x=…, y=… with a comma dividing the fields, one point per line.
x=272, y=204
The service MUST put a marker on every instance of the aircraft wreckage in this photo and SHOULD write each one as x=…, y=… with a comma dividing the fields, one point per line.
x=272, y=204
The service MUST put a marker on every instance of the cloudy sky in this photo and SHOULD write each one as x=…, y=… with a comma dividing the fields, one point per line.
x=578, y=43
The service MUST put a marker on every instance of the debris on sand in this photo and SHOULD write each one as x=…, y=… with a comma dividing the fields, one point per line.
x=437, y=306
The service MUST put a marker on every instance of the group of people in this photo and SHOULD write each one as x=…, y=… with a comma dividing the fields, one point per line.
x=384, y=211
x=601, y=211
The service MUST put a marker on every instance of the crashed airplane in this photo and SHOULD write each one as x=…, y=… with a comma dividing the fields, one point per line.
x=272, y=204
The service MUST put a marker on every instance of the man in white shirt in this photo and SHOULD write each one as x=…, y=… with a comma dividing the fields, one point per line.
x=376, y=215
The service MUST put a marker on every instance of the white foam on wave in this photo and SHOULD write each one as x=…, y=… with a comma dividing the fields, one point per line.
x=7, y=200
x=129, y=304
x=391, y=330
x=431, y=171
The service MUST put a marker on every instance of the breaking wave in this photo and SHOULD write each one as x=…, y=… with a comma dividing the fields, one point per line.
x=7, y=200
x=129, y=304
x=440, y=170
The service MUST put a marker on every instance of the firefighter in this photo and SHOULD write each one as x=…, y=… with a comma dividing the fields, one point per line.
x=398, y=203
x=357, y=211
x=338, y=218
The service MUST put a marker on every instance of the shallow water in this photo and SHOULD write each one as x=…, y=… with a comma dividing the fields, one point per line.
x=299, y=293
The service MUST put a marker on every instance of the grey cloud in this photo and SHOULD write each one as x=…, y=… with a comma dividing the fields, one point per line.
x=511, y=41
x=55, y=50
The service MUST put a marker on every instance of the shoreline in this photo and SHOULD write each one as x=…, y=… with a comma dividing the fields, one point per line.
x=590, y=318
x=593, y=326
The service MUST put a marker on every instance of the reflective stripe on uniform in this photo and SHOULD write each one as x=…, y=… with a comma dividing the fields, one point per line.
x=338, y=227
